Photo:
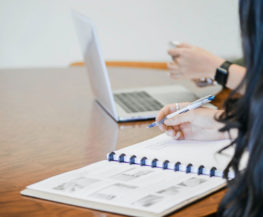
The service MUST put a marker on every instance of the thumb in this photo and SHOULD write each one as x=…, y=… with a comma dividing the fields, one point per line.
x=179, y=119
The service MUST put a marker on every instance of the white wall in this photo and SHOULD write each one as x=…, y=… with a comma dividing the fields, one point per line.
x=40, y=33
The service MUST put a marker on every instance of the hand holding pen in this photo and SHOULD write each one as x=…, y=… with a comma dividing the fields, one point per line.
x=192, y=122
x=191, y=106
x=198, y=123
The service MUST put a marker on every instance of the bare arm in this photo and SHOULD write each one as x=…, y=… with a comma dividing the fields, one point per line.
x=236, y=74
x=193, y=60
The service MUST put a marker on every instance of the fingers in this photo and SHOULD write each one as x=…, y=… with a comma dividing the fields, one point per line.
x=165, y=111
x=176, y=132
x=175, y=52
x=189, y=125
x=173, y=70
x=179, y=135
x=168, y=109
x=172, y=66
x=175, y=127
x=179, y=119
x=183, y=45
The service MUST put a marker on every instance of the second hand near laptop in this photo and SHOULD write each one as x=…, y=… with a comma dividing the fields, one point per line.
x=196, y=104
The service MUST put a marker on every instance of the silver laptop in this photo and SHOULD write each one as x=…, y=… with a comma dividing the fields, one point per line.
x=128, y=104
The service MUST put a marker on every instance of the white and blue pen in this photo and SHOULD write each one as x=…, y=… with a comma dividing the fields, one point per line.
x=193, y=105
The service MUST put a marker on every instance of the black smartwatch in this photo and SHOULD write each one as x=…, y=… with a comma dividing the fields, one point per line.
x=222, y=73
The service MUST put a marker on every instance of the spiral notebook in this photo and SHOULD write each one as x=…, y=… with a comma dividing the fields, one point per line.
x=151, y=178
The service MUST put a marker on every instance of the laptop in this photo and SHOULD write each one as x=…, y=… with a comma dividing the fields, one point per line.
x=122, y=105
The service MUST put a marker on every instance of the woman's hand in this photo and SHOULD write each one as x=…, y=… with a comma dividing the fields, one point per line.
x=198, y=124
x=189, y=59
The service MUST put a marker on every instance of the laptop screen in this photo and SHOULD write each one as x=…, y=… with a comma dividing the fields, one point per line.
x=94, y=63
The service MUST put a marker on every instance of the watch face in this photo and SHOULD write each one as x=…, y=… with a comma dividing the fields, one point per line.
x=222, y=70
x=222, y=73
x=221, y=76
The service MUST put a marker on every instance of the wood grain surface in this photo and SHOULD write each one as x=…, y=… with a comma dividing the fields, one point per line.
x=155, y=65
x=50, y=123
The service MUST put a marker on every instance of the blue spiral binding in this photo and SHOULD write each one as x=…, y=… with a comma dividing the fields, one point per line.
x=165, y=164
x=121, y=158
x=132, y=159
x=142, y=163
x=212, y=171
x=188, y=168
x=154, y=162
x=111, y=156
x=200, y=170
x=177, y=166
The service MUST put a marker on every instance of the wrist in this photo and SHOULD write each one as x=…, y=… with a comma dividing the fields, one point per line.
x=214, y=63
x=236, y=74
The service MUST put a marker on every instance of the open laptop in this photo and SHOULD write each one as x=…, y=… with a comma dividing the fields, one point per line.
x=122, y=105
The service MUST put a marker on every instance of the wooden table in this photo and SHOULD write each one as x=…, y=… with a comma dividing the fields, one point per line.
x=49, y=124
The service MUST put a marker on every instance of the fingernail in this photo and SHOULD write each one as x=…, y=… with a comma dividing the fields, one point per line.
x=173, y=109
x=170, y=133
x=177, y=135
x=161, y=127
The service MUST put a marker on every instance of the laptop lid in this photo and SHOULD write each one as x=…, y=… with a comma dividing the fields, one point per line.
x=94, y=62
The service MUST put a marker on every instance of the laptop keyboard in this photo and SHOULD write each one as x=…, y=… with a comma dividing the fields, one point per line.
x=138, y=101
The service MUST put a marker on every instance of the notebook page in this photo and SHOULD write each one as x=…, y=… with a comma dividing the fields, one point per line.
x=198, y=153
x=110, y=184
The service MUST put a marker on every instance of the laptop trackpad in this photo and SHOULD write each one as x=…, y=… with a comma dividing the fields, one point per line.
x=173, y=94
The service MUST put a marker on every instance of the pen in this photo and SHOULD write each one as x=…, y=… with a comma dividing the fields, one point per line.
x=190, y=107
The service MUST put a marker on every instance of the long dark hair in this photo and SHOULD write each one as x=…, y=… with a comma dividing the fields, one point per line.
x=245, y=195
